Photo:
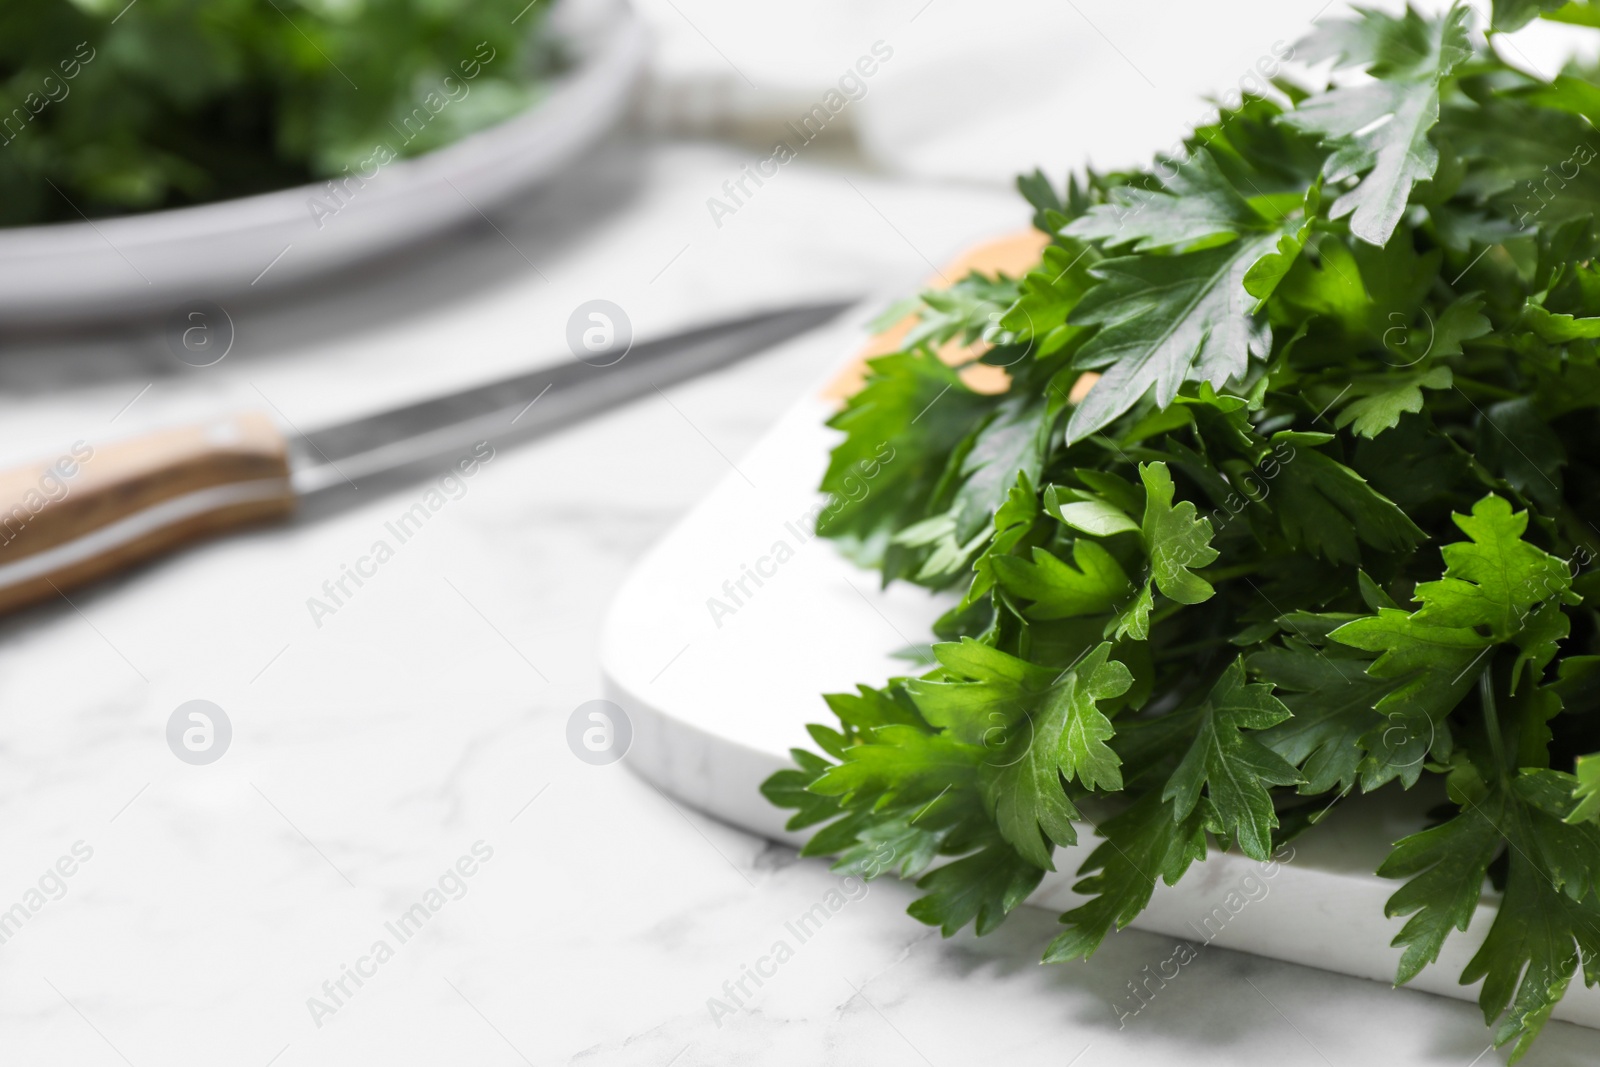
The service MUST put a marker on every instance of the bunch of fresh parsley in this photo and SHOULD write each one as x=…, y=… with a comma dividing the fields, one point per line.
x=1325, y=522
x=108, y=107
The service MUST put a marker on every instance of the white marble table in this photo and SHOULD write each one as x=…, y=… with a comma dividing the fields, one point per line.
x=425, y=719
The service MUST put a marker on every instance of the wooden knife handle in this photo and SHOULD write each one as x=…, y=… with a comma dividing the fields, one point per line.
x=95, y=509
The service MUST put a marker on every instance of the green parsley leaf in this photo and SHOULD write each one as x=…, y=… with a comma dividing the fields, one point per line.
x=1381, y=128
x=1144, y=843
x=1059, y=591
x=1177, y=539
x=1587, y=791
x=1232, y=766
x=1164, y=321
x=1446, y=866
x=1066, y=737
x=1332, y=700
x=981, y=889
x=1195, y=202
x=1514, y=14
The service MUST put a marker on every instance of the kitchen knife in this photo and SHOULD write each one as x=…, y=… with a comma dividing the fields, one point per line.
x=96, y=510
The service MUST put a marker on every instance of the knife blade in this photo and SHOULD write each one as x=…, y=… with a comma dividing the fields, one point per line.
x=89, y=512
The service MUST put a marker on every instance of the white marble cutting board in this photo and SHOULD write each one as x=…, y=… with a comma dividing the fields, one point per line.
x=715, y=701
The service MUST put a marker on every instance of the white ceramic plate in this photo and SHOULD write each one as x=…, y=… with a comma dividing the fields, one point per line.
x=716, y=699
x=142, y=264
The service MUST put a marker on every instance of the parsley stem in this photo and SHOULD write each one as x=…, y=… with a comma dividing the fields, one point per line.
x=1581, y=533
x=1484, y=388
x=1164, y=612
x=1223, y=574
x=1491, y=718
x=1193, y=647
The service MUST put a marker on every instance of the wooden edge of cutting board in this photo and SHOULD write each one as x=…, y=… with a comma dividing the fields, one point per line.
x=1014, y=254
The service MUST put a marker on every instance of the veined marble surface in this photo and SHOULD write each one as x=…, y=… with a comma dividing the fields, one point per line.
x=411, y=749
